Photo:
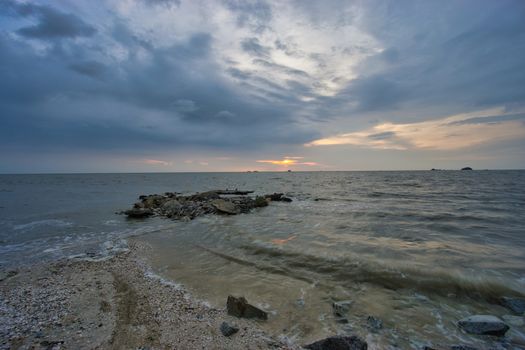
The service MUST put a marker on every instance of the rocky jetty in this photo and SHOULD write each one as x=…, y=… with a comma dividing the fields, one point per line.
x=188, y=207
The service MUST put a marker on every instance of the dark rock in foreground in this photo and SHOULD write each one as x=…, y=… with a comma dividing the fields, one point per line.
x=483, y=325
x=517, y=305
x=239, y=307
x=228, y=330
x=339, y=343
x=176, y=206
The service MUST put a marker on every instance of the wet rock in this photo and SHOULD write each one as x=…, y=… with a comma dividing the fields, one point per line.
x=138, y=213
x=225, y=206
x=341, y=308
x=205, y=196
x=517, y=305
x=228, y=330
x=286, y=199
x=516, y=321
x=260, y=202
x=274, y=196
x=171, y=207
x=462, y=347
x=239, y=307
x=153, y=201
x=235, y=192
x=339, y=343
x=483, y=325
x=374, y=323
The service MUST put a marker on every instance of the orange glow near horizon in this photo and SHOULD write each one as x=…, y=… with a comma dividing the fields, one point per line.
x=289, y=161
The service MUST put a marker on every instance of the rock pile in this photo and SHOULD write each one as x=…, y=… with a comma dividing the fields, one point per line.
x=176, y=206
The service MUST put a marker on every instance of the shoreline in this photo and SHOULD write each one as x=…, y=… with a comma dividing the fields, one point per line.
x=116, y=303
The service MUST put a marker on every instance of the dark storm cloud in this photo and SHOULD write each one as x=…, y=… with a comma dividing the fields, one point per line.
x=175, y=98
x=475, y=61
x=254, y=48
x=90, y=68
x=255, y=13
x=281, y=68
x=51, y=24
x=167, y=3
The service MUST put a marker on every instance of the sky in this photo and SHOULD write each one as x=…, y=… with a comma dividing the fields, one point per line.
x=227, y=85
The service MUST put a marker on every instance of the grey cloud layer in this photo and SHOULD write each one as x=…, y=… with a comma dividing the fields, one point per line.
x=106, y=85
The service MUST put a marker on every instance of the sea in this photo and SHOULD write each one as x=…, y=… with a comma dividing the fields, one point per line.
x=410, y=252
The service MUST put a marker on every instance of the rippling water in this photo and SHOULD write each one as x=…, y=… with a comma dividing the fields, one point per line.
x=418, y=250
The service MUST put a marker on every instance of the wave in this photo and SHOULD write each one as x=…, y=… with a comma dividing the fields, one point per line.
x=49, y=222
x=349, y=271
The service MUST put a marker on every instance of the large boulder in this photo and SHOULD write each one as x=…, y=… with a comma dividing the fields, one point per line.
x=239, y=307
x=483, y=325
x=339, y=343
x=204, y=196
x=515, y=304
x=226, y=207
x=153, y=201
x=171, y=207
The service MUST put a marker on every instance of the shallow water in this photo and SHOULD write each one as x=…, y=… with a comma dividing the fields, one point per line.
x=419, y=250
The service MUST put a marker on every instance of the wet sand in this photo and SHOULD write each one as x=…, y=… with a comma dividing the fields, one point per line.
x=112, y=304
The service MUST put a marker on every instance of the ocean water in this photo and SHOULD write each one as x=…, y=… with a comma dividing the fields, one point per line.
x=418, y=250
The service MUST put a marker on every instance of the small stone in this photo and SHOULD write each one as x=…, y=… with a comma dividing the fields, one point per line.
x=374, y=323
x=462, y=347
x=483, y=325
x=341, y=308
x=228, y=330
x=339, y=343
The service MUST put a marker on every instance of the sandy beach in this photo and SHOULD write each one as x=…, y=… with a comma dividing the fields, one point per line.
x=112, y=304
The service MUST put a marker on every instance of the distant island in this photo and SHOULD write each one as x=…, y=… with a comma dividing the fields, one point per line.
x=466, y=168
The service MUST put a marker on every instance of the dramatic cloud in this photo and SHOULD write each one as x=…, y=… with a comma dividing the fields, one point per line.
x=51, y=24
x=450, y=133
x=143, y=80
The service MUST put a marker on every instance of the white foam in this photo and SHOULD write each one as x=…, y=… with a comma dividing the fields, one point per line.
x=49, y=222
